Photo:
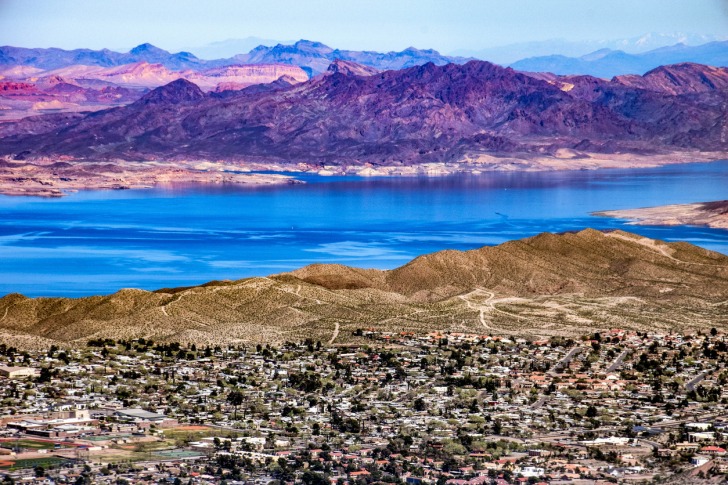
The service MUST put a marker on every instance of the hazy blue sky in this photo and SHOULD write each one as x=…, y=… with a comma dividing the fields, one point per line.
x=446, y=25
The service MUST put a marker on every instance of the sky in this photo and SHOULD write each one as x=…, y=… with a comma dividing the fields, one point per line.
x=383, y=25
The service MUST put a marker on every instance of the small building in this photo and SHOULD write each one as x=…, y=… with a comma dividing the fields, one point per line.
x=17, y=372
x=143, y=419
x=699, y=460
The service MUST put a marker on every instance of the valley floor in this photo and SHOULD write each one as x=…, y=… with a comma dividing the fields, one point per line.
x=438, y=408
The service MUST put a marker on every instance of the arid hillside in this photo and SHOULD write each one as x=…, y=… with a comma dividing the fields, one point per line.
x=549, y=284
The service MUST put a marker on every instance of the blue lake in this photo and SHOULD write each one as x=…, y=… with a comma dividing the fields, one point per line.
x=99, y=241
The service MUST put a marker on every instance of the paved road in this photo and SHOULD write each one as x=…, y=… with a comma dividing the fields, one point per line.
x=541, y=401
x=653, y=444
x=618, y=361
x=565, y=361
x=695, y=381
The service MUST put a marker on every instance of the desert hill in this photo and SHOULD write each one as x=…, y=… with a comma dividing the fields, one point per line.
x=549, y=284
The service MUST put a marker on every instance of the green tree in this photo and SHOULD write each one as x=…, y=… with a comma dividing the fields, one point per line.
x=591, y=412
x=313, y=478
x=235, y=399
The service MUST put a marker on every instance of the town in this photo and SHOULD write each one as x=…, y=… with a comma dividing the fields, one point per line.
x=439, y=408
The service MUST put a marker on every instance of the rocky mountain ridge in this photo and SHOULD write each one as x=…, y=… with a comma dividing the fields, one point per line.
x=314, y=57
x=25, y=92
x=417, y=115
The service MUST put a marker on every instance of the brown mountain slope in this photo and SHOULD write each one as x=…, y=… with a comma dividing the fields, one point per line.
x=589, y=262
x=545, y=285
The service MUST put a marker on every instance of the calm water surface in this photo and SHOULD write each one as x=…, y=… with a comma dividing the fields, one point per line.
x=100, y=241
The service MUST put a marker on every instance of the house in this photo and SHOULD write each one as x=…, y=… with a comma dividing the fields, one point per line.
x=532, y=471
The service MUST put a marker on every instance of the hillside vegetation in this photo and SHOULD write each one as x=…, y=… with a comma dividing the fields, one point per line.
x=546, y=285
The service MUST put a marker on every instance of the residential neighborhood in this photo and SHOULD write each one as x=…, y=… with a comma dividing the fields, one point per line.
x=439, y=408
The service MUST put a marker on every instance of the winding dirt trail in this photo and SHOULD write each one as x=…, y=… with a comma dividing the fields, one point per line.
x=336, y=334
x=487, y=303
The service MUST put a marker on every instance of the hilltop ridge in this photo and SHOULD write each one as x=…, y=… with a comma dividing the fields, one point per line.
x=550, y=284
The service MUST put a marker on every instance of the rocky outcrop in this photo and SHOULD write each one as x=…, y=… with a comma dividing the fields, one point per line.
x=350, y=68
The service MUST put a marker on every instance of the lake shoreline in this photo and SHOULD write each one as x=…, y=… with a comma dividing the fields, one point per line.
x=183, y=234
x=705, y=214
x=57, y=178
x=54, y=179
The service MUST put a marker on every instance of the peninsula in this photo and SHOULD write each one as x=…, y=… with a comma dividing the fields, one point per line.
x=709, y=214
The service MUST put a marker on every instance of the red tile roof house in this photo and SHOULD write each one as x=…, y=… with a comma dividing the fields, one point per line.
x=712, y=450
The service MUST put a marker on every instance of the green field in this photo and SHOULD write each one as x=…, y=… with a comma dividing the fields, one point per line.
x=185, y=435
x=31, y=444
x=32, y=463
x=167, y=454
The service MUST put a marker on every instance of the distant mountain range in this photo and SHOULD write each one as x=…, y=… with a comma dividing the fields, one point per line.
x=607, y=63
x=231, y=47
x=26, y=90
x=54, y=58
x=314, y=57
x=420, y=114
x=508, y=54
x=146, y=75
x=545, y=285
x=24, y=72
x=317, y=57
